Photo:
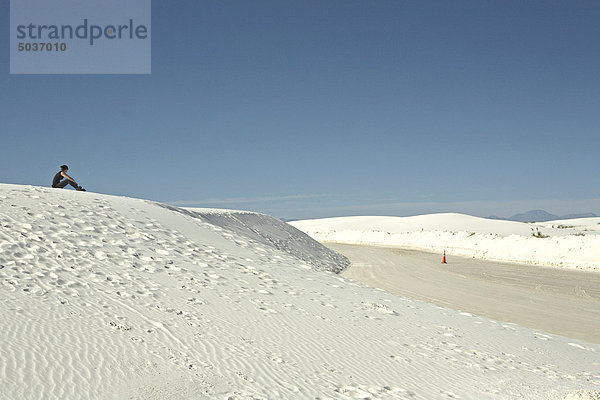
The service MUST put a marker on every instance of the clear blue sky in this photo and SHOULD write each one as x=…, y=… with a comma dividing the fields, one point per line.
x=316, y=108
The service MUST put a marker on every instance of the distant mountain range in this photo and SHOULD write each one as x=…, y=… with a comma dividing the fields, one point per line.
x=541, y=216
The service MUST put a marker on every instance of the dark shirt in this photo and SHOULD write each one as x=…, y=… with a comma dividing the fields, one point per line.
x=57, y=178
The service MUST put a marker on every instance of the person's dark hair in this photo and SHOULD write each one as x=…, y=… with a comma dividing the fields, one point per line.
x=63, y=167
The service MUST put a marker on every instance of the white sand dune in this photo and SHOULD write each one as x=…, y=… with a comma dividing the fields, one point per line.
x=112, y=298
x=568, y=243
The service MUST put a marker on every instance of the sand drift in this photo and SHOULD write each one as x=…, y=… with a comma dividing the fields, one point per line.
x=113, y=298
x=567, y=244
x=564, y=302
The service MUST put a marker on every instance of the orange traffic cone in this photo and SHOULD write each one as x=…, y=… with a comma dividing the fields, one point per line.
x=444, y=259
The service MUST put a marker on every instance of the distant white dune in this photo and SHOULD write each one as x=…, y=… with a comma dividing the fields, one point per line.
x=573, y=243
x=105, y=297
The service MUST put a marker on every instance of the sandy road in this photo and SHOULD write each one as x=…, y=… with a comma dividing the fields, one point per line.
x=563, y=302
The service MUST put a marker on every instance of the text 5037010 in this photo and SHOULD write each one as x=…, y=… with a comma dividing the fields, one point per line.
x=41, y=46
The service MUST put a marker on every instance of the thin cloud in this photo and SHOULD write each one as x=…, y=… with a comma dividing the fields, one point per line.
x=306, y=206
x=480, y=208
x=247, y=200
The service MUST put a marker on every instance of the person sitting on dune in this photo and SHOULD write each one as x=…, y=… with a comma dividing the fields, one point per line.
x=58, y=181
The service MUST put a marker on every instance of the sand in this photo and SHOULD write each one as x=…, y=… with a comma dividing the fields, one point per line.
x=566, y=244
x=105, y=297
x=562, y=301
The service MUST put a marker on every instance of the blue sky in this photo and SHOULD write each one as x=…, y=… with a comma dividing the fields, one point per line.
x=310, y=108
